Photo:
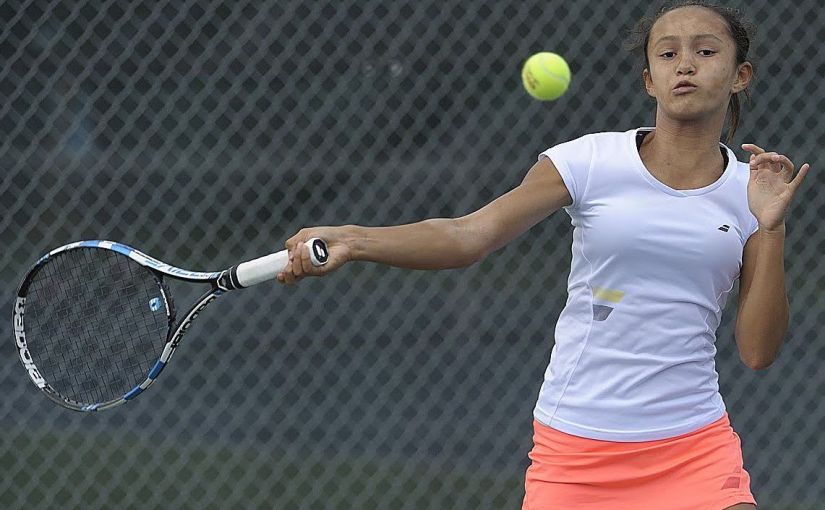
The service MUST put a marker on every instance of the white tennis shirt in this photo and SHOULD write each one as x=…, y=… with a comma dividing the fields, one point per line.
x=651, y=271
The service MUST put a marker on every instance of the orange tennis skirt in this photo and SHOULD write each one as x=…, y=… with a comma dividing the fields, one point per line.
x=701, y=470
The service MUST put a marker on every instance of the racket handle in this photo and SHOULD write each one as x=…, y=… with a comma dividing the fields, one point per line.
x=266, y=268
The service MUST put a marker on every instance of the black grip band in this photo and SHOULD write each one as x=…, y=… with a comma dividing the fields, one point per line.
x=228, y=280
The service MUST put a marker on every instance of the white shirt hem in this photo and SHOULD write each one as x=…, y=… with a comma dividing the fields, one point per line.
x=627, y=436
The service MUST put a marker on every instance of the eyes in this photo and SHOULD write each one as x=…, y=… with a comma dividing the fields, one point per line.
x=704, y=52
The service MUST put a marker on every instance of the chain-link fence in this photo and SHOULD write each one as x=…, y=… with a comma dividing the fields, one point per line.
x=207, y=132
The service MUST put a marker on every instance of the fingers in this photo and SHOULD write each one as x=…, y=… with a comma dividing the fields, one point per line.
x=753, y=149
x=293, y=245
x=296, y=240
x=771, y=158
x=306, y=262
x=294, y=270
x=777, y=162
x=783, y=160
x=786, y=166
x=287, y=276
x=760, y=157
x=797, y=182
x=300, y=262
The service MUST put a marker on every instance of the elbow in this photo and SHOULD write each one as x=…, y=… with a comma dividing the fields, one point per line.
x=477, y=253
x=759, y=349
x=759, y=357
x=471, y=256
x=758, y=363
x=473, y=245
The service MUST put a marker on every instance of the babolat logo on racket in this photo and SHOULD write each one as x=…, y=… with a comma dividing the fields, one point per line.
x=22, y=348
x=187, y=321
x=320, y=249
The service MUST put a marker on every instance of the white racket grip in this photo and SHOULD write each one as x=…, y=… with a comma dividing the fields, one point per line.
x=267, y=267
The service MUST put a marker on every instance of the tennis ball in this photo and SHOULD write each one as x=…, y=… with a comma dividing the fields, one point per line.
x=546, y=76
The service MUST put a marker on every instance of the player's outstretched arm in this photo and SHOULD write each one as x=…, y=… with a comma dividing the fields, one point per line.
x=438, y=243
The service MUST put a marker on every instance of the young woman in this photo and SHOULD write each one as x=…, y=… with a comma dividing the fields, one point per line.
x=665, y=220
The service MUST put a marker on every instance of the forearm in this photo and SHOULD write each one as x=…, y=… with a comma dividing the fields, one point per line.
x=763, y=316
x=439, y=243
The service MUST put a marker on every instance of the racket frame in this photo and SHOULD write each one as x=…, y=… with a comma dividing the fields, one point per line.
x=220, y=281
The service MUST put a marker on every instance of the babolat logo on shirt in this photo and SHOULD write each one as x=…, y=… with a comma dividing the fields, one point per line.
x=724, y=228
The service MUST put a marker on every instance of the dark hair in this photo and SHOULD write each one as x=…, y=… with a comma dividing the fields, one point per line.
x=740, y=30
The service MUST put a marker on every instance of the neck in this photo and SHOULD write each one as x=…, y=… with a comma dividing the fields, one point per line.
x=683, y=150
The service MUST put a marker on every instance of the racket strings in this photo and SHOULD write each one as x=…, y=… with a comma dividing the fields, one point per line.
x=95, y=323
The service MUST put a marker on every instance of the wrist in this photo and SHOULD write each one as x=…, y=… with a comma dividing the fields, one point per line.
x=353, y=238
x=776, y=230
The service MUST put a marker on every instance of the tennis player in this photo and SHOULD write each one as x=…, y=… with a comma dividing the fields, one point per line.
x=629, y=416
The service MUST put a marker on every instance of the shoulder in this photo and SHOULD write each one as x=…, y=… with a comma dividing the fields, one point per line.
x=589, y=143
x=606, y=137
x=738, y=175
x=737, y=193
x=576, y=159
x=741, y=169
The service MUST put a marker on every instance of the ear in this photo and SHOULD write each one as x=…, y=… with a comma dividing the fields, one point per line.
x=648, y=83
x=743, y=76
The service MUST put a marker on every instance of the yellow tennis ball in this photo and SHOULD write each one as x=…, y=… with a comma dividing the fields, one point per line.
x=546, y=76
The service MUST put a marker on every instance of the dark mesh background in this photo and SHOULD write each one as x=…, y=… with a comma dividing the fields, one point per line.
x=205, y=133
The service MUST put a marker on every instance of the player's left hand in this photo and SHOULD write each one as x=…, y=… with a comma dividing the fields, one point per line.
x=771, y=186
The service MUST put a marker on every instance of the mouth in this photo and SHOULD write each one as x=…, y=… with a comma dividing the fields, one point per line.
x=684, y=87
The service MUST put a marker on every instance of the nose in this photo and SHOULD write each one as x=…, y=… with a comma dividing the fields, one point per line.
x=686, y=66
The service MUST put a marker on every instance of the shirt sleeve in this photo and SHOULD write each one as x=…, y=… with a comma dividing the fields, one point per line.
x=573, y=160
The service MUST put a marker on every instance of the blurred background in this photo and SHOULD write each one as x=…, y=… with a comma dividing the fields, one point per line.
x=208, y=132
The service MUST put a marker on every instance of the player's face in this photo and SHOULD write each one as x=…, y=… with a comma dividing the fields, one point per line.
x=693, y=69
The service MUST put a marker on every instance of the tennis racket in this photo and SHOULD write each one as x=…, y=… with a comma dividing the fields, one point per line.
x=95, y=323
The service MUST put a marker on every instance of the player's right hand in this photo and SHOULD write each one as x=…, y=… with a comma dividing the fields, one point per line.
x=300, y=265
